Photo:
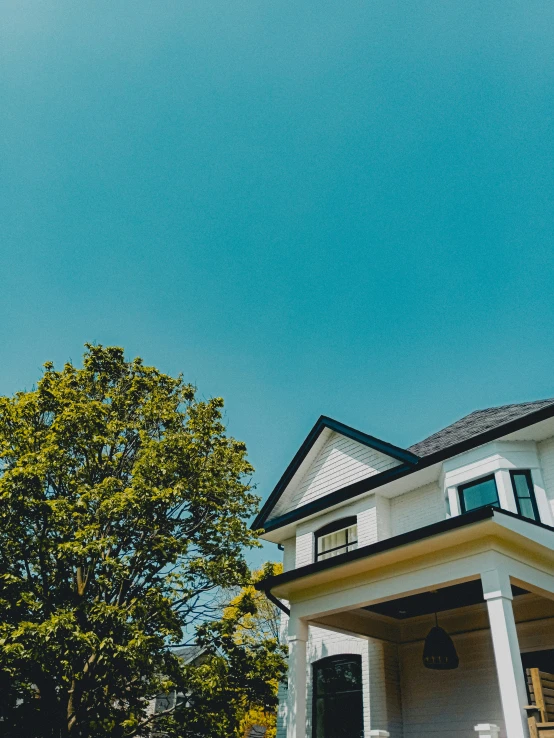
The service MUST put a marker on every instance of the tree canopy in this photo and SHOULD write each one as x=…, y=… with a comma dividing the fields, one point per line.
x=123, y=505
x=235, y=686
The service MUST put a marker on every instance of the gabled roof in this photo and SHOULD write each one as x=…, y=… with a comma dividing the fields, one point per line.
x=189, y=653
x=475, y=429
x=475, y=423
x=401, y=454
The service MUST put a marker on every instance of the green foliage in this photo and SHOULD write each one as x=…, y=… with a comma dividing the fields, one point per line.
x=123, y=504
x=239, y=678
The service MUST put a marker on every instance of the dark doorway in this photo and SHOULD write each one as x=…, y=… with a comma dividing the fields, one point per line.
x=338, y=701
x=543, y=660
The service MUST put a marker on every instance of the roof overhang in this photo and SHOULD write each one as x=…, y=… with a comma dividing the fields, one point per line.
x=477, y=526
x=536, y=426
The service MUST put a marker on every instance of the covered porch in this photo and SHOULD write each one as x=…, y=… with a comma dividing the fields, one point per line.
x=489, y=576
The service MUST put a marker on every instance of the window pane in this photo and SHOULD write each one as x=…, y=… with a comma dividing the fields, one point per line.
x=480, y=494
x=526, y=508
x=336, y=544
x=338, y=698
x=524, y=493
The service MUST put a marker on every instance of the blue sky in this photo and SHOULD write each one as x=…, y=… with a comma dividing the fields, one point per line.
x=307, y=208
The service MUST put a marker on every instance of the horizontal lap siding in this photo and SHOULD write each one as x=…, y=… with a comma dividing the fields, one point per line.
x=339, y=463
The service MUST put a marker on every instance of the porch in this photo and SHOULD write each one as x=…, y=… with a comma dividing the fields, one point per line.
x=488, y=575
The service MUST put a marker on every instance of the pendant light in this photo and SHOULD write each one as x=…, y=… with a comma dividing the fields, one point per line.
x=439, y=651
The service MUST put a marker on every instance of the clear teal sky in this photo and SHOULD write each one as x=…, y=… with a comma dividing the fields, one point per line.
x=307, y=207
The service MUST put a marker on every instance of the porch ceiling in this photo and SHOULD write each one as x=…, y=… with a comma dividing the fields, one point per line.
x=441, y=600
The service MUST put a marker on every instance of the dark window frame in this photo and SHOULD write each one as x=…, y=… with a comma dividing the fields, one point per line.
x=329, y=660
x=475, y=483
x=335, y=527
x=531, y=487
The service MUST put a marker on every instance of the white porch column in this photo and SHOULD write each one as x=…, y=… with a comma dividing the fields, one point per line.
x=296, y=716
x=498, y=595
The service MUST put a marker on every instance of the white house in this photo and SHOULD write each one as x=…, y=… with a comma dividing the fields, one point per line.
x=379, y=541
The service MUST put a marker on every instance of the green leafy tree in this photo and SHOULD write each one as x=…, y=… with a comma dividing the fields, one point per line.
x=236, y=685
x=123, y=505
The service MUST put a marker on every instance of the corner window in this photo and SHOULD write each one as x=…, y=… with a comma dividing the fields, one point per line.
x=524, y=493
x=481, y=493
x=336, y=538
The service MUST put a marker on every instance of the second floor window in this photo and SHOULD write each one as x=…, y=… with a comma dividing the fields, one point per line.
x=525, y=494
x=336, y=538
x=481, y=493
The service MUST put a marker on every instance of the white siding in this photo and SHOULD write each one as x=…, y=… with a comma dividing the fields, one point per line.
x=340, y=462
x=385, y=706
x=546, y=456
x=324, y=643
x=289, y=554
x=304, y=549
x=282, y=711
x=438, y=703
x=380, y=674
x=367, y=526
x=374, y=524
x=374, y=521
x=416, y=509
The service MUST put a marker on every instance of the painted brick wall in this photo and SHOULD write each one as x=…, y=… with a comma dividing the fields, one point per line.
x=289, y=554
x=324, y=643
x=409, y=701
x=451, y=703
x=373, y=513
x=415, y=509
x=380, y=674
x=374, y=522
x=367, y=526
x=304, y=549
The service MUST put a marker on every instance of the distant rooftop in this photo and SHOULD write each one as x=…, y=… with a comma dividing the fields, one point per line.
x=475, y=423
x=188, y=653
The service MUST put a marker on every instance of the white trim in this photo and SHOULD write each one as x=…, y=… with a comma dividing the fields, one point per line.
x=543, y=505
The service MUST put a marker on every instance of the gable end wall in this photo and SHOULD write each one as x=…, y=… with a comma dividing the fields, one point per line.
x=340, y=462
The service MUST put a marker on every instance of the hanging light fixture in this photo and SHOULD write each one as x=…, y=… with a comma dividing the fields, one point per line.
x=439, y=651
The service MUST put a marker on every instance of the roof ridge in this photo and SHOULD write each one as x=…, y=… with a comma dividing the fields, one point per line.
x=475, y=422
x=547, y=400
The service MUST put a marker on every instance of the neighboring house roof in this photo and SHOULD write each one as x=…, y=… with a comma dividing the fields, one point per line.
x=257, y=731
x=475, y=429
x=188, y=653
x=475, y=423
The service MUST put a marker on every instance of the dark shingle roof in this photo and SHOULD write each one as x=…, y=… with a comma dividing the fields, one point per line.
x=475, y=423
x=188, y=653
x=257, y=731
